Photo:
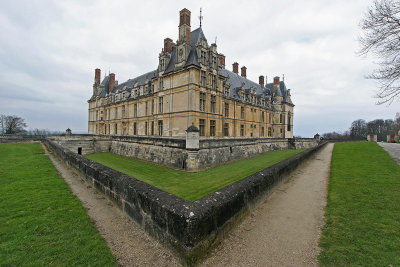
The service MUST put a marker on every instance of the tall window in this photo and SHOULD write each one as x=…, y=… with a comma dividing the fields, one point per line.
x=160, y=105
x=152, y=107
x=147, y=108
x=269, y=132
x=241, y=130
x=97, y=115
x=202, y=101
x=262, y=131
x=226, y=110
x=101, y=115
x=212, y=127
x=242, y=113
x=123, y=111
x=145, y=128
x=280, y=118
x=115, y=128
x=226, y=129
x=214, y=82
x=288, y=122
x=116, y=113
x=135, y=110
x=161, y=83
x=160, y=128
x=214, y=62
x=262, y=116
x=203, y=78
x=152, y=128
x=202, y=127
x=105, y=129
x=213, y=103
x=134, y=128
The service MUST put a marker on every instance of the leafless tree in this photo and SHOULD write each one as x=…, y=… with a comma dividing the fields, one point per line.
x=381, y=37
x=12, y=124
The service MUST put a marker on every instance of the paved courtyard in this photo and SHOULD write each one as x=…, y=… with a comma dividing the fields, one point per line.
x=393, y=149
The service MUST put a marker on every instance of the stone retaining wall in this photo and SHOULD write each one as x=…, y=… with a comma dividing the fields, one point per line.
x=174, y=152
x=190, y=229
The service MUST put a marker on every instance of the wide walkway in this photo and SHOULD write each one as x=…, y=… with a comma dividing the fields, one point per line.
x=392, y=149
x=285, y=229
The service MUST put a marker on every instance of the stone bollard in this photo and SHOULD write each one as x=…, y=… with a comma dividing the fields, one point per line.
x=192, y=148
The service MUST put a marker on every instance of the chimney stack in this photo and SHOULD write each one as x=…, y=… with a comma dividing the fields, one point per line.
x=111, y=82
x=222, y=60
x=97, y=75
x=235, y=67
x=168, y=44
x=261, y=80
x=243, y=71
x=184, y=26
x=276, y=83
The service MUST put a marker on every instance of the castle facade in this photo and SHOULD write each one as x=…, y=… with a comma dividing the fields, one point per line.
x=191, y=86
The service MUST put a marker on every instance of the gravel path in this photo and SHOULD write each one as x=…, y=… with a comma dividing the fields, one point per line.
x=284, y=230
x=127, y=242
x=392, y=149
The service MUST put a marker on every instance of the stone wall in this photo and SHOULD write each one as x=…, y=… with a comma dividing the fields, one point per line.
x=189, y=229
x=16, y=138
x=174, y=152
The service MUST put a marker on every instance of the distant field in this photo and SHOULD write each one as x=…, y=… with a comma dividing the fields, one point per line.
x=41, y=222
x=363, y=211
x=191, y=186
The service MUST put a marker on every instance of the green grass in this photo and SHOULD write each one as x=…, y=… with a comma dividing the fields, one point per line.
x=191, y=185
x=41, y=222
x=363, y=210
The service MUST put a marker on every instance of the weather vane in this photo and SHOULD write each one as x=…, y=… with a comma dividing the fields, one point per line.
x=200, y=17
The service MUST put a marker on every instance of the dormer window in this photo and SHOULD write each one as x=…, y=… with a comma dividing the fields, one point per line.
x=214, y=62
x=203, y=57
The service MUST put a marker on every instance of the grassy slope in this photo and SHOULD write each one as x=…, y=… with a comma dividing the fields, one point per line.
x=191, y=186
x=41, y=222
x=363, y=211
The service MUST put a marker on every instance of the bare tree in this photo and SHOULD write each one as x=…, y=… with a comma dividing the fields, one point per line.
x=381, y=37
x=12, y=124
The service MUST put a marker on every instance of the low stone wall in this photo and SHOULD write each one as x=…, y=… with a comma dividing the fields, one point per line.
x=173, y=151
x=14, y=138
x=190, y=229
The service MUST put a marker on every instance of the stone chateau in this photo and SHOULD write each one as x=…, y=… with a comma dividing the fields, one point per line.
x=191, y=86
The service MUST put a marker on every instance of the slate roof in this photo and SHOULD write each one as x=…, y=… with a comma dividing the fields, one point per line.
x=235, y=80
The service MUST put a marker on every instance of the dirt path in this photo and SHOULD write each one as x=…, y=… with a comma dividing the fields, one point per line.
x=128, y=243
x=285, y=229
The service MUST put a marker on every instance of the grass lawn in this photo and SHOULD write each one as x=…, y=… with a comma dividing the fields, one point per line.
x=190, y=185
x=363, y=211
x=41, y=222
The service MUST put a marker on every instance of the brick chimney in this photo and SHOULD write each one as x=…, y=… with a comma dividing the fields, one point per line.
x=97, y=74
x=111, y=83
x=222, y=60
x=235, y=67
x=261, y=80
x=243, y=71
x=168, y=44
x=276, y=83
x=184, y=25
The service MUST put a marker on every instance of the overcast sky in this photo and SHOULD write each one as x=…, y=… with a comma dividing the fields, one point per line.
x=49, y=50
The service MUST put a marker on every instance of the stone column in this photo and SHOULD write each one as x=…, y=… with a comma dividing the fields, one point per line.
x=192, y=148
